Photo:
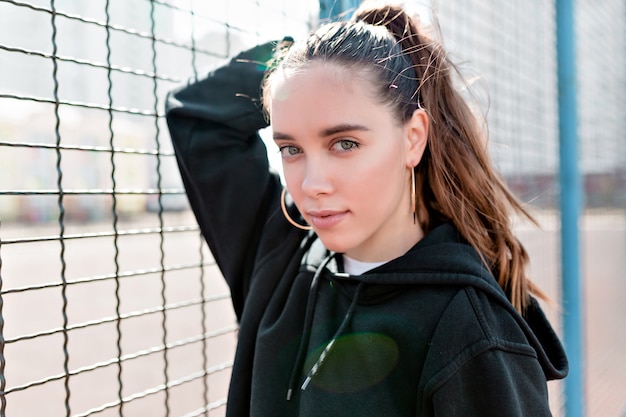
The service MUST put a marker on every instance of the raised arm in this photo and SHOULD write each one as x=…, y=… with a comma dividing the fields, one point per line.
x=213, y=124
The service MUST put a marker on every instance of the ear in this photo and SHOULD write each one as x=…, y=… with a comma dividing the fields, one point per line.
x=417, y=137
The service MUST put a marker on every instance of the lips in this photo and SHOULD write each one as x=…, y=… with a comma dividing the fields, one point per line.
x=325, y=219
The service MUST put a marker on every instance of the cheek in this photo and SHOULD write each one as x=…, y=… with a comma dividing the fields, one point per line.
x=293, y=174
x=382, y=167
x=382, y=183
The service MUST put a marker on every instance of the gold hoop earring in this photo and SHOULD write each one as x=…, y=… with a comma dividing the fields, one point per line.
x=286, y=214
x=413, y=196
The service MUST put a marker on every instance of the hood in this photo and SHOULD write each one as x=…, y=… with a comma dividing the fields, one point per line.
x=444, y=258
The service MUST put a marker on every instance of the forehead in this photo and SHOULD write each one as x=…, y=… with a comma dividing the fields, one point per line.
x=322, y=92
x=319, y=75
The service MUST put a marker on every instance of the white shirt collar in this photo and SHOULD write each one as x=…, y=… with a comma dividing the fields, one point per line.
x=354, y=267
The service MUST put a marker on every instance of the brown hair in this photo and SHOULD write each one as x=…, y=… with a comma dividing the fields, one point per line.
x=455, y=180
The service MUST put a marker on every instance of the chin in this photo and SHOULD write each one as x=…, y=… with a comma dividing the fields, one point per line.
x=335, y=245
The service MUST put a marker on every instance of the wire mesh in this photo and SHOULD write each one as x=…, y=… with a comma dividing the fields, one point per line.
x=507, y=50
x=601, y=58
x=110, y=302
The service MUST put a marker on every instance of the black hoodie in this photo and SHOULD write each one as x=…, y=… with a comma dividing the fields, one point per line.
x=427, y=334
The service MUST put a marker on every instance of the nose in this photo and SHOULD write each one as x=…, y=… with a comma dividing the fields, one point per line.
x=317, y=178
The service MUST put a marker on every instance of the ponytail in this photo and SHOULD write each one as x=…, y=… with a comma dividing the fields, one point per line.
x=455, y=180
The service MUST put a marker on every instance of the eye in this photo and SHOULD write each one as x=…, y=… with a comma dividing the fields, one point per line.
x=345, y=145
x=288, y=151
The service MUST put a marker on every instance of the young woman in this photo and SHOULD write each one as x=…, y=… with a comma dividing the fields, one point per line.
x=387, y=280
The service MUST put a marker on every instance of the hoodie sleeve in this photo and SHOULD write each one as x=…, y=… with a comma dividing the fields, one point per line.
x=494, y=383
x=213, y=124
x=482, y=363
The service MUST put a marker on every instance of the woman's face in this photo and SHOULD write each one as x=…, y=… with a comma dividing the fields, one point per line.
x=347, y=161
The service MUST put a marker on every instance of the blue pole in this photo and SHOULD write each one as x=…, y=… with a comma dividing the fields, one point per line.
x=335, y=9
x=570, y=209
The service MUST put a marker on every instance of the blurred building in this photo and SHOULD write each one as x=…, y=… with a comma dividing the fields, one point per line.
x=505, y=50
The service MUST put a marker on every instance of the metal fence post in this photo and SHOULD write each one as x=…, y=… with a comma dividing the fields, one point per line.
x=570, y=202
x=336, y=9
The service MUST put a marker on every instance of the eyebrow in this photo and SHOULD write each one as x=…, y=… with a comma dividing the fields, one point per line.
x=343, y=128
x=333, y=130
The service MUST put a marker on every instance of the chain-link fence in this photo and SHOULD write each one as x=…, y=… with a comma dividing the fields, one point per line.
x=509, y=50
x=512, y=47
x=110, y=303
